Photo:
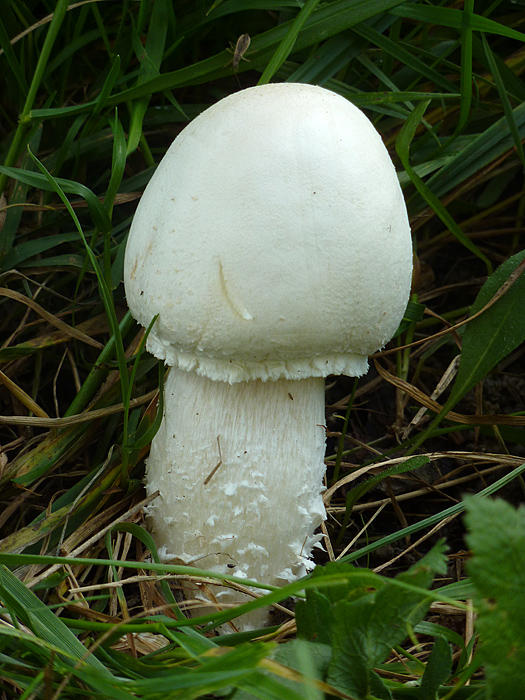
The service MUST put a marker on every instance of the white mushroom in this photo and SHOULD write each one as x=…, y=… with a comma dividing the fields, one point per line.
x=274, y=245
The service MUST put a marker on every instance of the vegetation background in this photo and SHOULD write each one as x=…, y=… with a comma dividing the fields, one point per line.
x=93, y=92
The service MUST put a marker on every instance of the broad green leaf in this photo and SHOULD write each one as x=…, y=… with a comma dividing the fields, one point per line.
x=315, y=614
x=490, y=337
x=497, y=570
x=310, y=660
x=437, y=671
x=366, y=629
x=314, y=617
x=266, y=686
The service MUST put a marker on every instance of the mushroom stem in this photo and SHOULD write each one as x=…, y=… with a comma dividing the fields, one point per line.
x=240, y=472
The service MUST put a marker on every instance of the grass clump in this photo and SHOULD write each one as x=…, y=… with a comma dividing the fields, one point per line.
x=93, y=93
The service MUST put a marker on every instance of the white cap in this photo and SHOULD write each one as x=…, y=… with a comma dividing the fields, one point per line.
x=272, y=240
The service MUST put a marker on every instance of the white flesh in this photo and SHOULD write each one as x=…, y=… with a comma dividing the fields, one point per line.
x=255, y=514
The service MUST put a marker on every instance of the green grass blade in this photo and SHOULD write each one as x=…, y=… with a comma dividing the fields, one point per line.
x=17, y=199
x=507, y=108
x=398, y=51
x=482, y=150
x=285, y=47
x=148, y=542
x=150, y=57
x=23, y=124
x=433, y=519
x=107, y=89
x=357, y=492
x=105, y=291
x=118, y=164
x=11, y=58
x=447, y=17
x=97, y=211
x=328, y=20
x=44, y=623
x=466, y=67
x=402, y=148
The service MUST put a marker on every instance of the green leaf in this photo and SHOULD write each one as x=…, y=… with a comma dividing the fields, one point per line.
x=413, y=313
x=482, y=149
x=497, y=332
x=438, y=668
x=310, y=660
x=143, y=535
x=403, y=142
x=315, y=614
x=314, y=617
x=18, y=196
x=107, y=88
x=358, y=491
x=497, y=570
x=44, y=623
x=366, y=629
x=491, y=336
x=12, y=60
x=29, y=249
x=214, y=672
x=18, y=140
x=430, y=522
x=507, y=108
x=99, y=214
x=355, y=493
x=285, y=47
x=455, y=18
x=397, y=50
x=466, y=67
x=431, y=629
x=118, y=163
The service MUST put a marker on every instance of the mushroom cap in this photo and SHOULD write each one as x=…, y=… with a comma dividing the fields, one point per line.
x=272, y=240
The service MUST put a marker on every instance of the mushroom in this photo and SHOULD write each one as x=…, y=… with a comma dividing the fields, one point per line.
x=274, y=245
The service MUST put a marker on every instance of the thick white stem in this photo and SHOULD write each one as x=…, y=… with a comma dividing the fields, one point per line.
x=240, y=472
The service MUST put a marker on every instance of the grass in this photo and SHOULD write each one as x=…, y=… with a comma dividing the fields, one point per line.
x=92, y=95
